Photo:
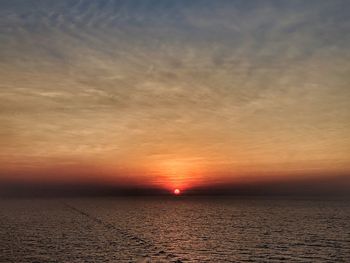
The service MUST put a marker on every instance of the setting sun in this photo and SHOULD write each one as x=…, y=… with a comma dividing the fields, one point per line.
x=177, y=191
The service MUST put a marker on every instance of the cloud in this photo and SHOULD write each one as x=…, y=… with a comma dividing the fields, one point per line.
x=245, y=84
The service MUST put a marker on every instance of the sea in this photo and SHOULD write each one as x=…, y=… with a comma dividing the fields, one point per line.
x=174, y=229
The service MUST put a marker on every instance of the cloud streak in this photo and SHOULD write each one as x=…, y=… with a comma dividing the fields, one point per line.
x=227, y=86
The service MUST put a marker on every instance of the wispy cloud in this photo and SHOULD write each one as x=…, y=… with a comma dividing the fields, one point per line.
x=247, y=84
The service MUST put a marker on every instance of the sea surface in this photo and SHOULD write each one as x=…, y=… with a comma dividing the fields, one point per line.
x=174, y=229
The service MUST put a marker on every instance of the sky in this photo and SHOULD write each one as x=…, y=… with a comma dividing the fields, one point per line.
x=174, y=94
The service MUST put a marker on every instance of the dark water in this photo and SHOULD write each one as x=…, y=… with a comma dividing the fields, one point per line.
x=174, y=230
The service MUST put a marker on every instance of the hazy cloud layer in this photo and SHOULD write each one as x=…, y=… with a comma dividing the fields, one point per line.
x=186, y=90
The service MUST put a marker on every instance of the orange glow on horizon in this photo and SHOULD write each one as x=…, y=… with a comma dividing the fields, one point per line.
x=177, y=173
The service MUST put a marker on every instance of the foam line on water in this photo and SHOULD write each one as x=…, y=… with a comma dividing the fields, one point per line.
x=145, y=244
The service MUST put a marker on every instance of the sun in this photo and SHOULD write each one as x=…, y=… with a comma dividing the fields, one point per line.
x=177, y=191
